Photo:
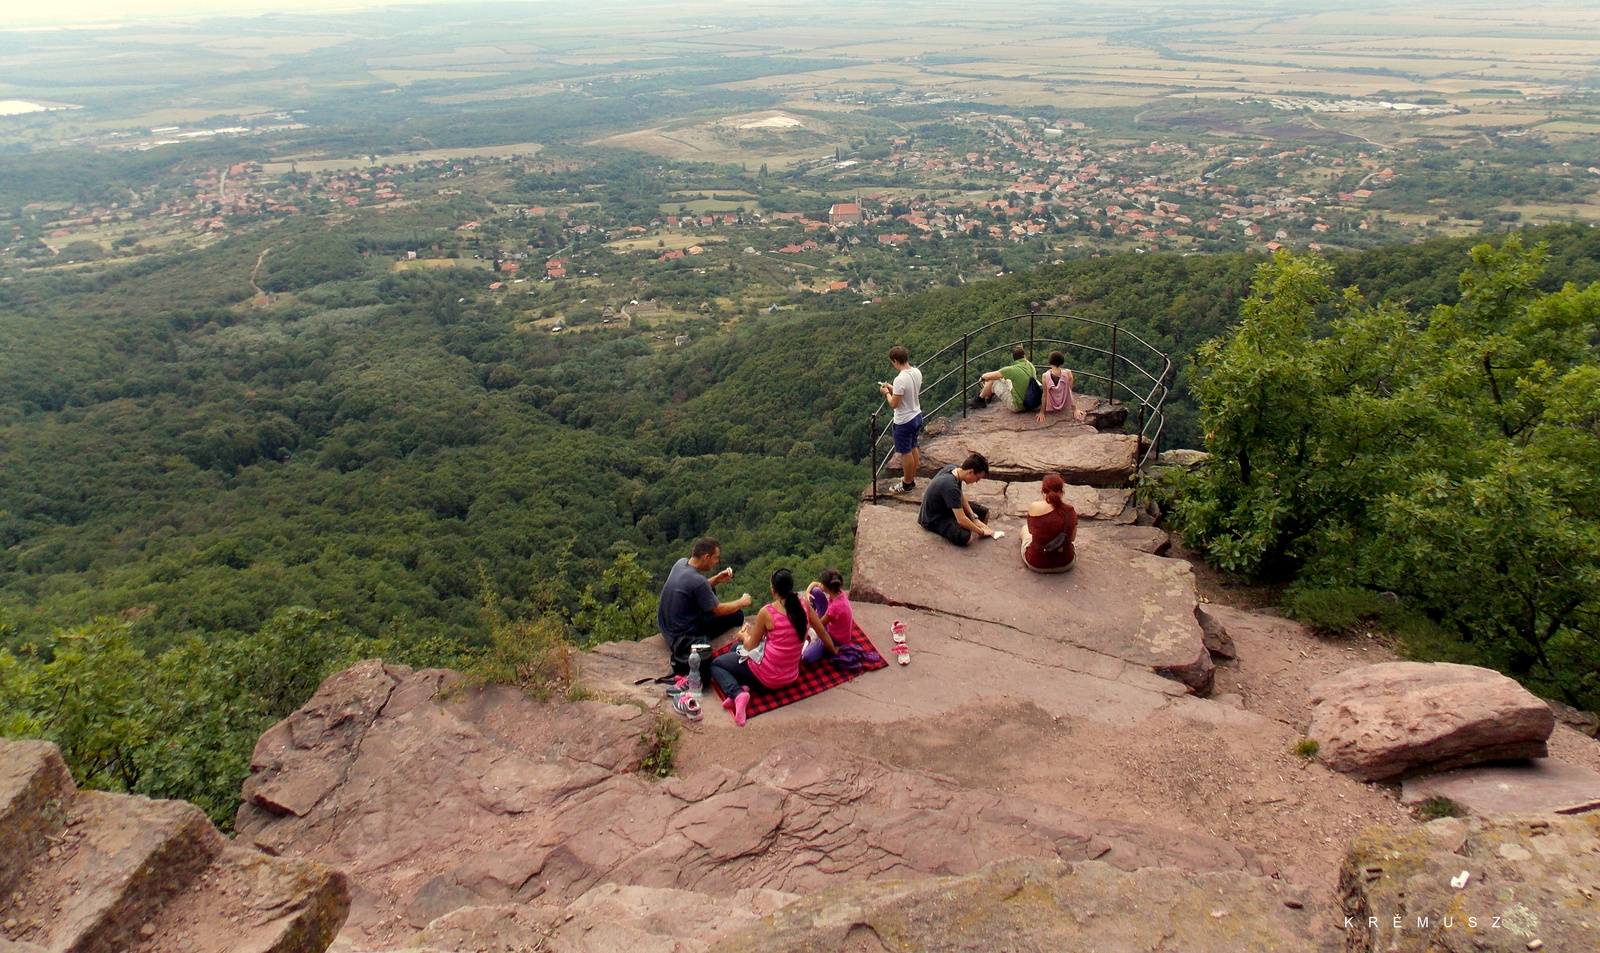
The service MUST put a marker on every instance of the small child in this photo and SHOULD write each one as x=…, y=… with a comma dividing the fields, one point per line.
x=833, y=608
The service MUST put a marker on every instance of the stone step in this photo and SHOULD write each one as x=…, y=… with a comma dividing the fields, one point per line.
x=35, y=791
x=1534, y=786
x=119, y=860
x=248, y=902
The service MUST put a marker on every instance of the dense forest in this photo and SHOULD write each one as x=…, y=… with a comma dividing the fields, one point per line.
x=384, y=462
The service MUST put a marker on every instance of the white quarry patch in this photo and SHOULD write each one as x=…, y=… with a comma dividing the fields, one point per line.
x=774, y=122
x=1360, y=105
x=21, y=107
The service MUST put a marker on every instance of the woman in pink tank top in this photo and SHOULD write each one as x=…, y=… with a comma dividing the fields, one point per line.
x=781, y=623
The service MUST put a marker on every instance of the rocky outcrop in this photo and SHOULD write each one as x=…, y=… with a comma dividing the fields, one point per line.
x=1543, y=785
x=1018, y=447
x=1182, y=459
x=1031, y=906
x=1117, y=602
x=1109, y=504
x=86, y=871
x=1218, y=642
x=455, y=797
x=1378, y=722
x=1497, y=884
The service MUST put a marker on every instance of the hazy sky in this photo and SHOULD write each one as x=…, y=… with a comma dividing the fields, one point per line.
x=25, y=13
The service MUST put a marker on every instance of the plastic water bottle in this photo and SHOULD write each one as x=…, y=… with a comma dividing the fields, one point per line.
x=693, y=685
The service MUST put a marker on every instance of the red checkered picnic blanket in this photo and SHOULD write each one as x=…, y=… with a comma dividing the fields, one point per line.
x=813, y=678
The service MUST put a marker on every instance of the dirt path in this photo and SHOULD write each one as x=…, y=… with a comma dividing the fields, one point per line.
x=1355, y=134
x=252, y=279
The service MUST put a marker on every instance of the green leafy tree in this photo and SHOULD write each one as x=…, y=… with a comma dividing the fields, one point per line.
x=622, y=608
x=93, y=700
x=1452, y=460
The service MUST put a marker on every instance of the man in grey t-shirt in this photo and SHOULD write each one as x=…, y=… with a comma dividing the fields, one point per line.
x=945, y=507
x=905, y=396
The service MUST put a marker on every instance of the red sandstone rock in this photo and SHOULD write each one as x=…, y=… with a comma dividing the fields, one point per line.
x=90, y=872
x=1380, y=721
x=486, y=798
x=1116, y=602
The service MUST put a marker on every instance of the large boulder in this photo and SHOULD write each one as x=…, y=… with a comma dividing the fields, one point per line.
x=1378, y=722
x=1029, y=906
x=1505, y=884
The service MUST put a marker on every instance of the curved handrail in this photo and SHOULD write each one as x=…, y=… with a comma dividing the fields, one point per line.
x=960, y=357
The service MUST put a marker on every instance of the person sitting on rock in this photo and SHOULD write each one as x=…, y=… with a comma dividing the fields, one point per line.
x=1057, y=384
x=1009, y=381
x=1052, y=526
x=832, y=606
x=780, y=623
x=689, y=612
x=945, y=507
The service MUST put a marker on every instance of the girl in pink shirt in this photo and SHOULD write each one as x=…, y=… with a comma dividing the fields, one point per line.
x=781, y=623
x=837, y=617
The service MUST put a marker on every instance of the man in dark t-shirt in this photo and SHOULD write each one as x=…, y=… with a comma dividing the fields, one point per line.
x=689, y=611
x=945, y=508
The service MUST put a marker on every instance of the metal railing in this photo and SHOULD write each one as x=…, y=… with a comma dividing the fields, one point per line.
x=1094, y=355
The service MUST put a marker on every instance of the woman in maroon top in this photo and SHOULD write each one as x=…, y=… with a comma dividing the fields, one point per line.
x=1052, y=526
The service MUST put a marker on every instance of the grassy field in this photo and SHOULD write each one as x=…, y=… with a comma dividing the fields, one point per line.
x=423, y=264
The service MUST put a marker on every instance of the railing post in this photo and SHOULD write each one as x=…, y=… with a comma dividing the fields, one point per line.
x=1032, y=317
x=964, y=339
x=1111, y=387
x=872, y=456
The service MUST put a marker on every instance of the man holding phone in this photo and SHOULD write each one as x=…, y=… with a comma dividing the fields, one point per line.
x=905, y=396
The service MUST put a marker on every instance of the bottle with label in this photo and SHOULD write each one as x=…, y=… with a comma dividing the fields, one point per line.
x=693, y=686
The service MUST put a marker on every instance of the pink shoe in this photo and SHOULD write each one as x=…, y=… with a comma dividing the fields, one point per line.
x=739, y=705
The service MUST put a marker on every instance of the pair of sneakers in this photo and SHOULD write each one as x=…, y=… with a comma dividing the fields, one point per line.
x=901, y=651
x=683, y=700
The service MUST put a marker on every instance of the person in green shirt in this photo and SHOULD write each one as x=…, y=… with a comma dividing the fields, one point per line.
x=1009, y=381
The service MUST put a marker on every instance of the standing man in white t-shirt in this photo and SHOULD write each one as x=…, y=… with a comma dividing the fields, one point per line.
x=905, y=396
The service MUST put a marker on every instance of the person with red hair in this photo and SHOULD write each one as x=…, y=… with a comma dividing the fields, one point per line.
x=1052, y=526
